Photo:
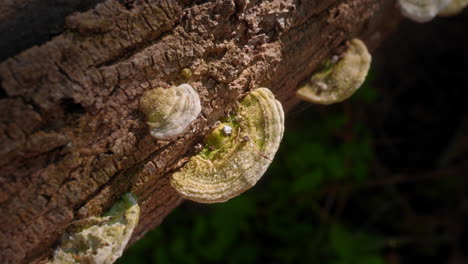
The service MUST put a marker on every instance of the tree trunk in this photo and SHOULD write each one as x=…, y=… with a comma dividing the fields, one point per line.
x=72, y=137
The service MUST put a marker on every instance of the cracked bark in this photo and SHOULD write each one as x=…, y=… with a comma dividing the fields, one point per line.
x=72, y=138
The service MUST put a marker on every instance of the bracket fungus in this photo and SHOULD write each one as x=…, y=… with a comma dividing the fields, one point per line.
x=170, y=111
x=99, y=240
x=453, y=8
x=338, y=78
x=422, y=10
x=236, y=153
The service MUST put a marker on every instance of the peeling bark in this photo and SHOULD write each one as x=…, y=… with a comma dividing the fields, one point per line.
x=72, y=137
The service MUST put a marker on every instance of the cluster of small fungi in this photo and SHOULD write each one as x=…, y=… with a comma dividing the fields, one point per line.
x=239, y=149
x=236, y=152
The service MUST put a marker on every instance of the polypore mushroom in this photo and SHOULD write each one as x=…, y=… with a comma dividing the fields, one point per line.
x=236, y=153
x=99, y=240
x=422, y=10
x=338, y=78
x=454, y=7
x=170, y=111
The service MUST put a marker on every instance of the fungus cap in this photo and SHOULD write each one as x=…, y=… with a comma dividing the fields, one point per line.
x=338, y=79
x=422, y=10
x=99, y=240
x=237, y=152
x=170, y=111
x=455, y=7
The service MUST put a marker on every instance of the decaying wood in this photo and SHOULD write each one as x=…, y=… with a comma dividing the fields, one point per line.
x=72, y=138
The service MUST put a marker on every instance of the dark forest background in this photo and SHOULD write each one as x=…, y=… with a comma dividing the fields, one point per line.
x=380, y=178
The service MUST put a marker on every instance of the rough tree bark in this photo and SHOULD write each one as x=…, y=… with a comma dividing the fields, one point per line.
x=72, y=138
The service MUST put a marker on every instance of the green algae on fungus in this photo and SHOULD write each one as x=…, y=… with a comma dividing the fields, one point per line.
x=99, y=240
x=236, y=153
x=170, y=111
x=338, y=78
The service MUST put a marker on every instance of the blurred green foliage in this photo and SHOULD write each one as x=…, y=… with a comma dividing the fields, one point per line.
x=286, y=218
